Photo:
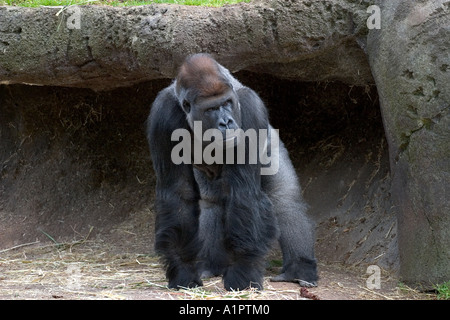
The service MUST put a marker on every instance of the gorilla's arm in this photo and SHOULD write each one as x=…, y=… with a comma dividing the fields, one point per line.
x=296, y=236
x=176, y=195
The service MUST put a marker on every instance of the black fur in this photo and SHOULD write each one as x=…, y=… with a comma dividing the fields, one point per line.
x=222, y=219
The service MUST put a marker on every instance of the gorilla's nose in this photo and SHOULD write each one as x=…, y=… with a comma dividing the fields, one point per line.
x=227, y=124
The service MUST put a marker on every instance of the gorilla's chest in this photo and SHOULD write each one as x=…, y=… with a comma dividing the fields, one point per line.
x=211, y=184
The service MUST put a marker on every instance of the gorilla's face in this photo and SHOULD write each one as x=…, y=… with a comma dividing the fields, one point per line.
x=220, y=112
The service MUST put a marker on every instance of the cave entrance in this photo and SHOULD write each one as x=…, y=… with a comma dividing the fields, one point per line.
x=72, y=159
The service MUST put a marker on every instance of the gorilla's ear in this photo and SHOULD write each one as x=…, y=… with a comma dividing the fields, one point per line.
x=186, y=106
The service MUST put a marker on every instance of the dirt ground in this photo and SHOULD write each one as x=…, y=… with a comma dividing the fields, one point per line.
x=88, y=270
x=77, y=192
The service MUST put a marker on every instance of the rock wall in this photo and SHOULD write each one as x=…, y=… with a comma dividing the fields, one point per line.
x=410, y=60
x=117, y=47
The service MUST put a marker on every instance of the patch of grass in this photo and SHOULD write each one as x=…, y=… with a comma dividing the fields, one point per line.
x=122, y=3
x=275, y=263
x=443, y=291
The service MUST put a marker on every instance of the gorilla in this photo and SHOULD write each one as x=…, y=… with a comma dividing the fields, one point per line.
x=223, y=218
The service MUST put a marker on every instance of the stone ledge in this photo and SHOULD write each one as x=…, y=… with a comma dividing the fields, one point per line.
x=119, y=46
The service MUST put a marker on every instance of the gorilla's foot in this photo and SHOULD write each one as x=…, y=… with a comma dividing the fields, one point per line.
x=303, y=283
x=240, y=277
x=302, y=270
x=183, y=277
x=184, y=283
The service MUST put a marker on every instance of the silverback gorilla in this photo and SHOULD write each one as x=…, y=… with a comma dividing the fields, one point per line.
x=222, y=218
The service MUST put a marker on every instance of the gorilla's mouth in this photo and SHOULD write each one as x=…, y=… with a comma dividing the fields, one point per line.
x=227, y=138
x=229, y=141
x=231, y=136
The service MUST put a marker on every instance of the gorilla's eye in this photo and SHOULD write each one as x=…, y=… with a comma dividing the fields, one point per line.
x=228, y=103
x=186, y=106
x=212, y=109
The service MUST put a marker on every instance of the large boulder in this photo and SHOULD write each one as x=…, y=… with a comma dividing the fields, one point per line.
x=102, y=47
x=410, y=61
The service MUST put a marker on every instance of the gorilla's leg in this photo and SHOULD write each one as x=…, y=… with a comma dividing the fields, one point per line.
x=213, y=256
x=249, y=229
x=246, y=271
x=235, y=233
x=296, y=230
